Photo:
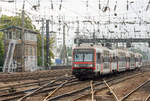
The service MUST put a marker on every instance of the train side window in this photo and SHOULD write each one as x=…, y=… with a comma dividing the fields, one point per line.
x=106, y=59
x=117, y=58
x=98, y=57
x=114, y=59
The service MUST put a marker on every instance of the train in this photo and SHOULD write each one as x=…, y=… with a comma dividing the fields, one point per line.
x=89, y=61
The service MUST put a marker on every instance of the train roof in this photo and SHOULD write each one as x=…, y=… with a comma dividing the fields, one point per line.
x=89, y=46
x=99, y=48
x=120, y=52
x=107, y=51
x=138, y=55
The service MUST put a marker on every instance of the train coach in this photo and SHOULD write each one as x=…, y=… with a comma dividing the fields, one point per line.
x=95, y=60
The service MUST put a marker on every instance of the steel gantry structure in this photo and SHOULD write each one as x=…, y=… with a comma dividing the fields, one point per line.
x=112, y=40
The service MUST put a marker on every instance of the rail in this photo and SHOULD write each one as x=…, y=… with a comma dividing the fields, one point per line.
x=147, y=98
x=111, y=91
x=126, y=96
x=54, y=91
x=100, y=83
x=92, y=89
x=42, y=87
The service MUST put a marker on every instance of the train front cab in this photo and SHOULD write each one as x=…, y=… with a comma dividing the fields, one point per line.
x=83, y=64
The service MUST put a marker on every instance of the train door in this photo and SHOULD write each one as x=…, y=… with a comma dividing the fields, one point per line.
x=117, y=63
x=98, y=62
x=114, y=63
x=122, y=63
x=127, y=63
x=136, y=61
x=110, y=63
x=102, y=64
x=106, y=65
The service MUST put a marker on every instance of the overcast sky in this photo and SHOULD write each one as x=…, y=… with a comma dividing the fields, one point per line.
x=73, y=9
x=79, y=7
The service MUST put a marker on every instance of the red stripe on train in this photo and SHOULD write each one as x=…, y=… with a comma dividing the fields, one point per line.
x=82, y=62
x=83, y=68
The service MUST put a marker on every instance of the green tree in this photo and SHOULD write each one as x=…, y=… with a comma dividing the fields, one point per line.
x=6, y=21
x=1, y=49
x=39, y=52
x=69, y=51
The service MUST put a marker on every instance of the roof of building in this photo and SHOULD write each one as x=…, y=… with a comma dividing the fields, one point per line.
x=19, y=28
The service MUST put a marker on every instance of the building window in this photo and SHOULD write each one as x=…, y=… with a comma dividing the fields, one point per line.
x=31, y=51
x=10, y=35
x=26, y=50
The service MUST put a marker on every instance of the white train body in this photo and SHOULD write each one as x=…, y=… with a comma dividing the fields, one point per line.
x=90, y=61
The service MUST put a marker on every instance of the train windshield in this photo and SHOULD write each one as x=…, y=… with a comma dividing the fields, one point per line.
x=81, y=55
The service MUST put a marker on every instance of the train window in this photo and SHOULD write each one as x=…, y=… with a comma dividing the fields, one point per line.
x=114, y=59
x=98, y=55
x=136, y=59
x=117, y=58
x=106, y=59
x=111, y=60
x=122, y=58
x=132, y=59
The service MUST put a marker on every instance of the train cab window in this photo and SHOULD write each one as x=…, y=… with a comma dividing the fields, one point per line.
x=98, y=57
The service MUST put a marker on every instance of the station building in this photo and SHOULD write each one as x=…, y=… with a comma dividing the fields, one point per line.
x=20, y=54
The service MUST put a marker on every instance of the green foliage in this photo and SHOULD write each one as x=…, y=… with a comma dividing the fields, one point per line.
x=1, y=49
x=39, y=51
x=69, y=51
x=6, y=21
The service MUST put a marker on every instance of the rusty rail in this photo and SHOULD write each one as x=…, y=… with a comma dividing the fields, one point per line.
x=38, y=89
x=126, y=96
x=92, y=89
x=148, y=97
x=54, y=91
x=110, y=89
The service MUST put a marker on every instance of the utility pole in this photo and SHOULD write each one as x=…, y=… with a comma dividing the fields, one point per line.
x=43, y=42
x=47, y=45
x=77, y=33
x=22, y=38
x=64, y=45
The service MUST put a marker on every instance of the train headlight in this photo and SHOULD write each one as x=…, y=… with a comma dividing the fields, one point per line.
x=83, y=65
x=90, y=65
x=76, y=65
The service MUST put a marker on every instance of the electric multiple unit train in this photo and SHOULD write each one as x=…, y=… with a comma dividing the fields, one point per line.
x=90, y=61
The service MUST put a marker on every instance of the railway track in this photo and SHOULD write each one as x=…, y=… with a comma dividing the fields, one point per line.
x=33, y=75
x=137, y=89
x=66, y=88
x=15, y=87
x=46, y=87
x=101, y=86
x=79, y=91
x=114, y=96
